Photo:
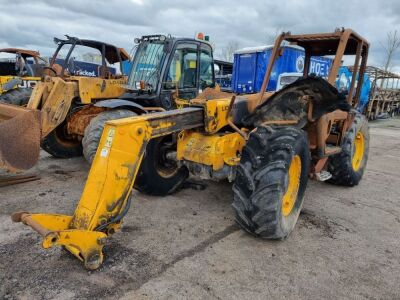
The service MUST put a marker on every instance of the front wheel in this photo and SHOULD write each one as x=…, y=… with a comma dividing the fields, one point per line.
x=18, y=96
x=347, y=167
x=59, y=144
x=271, y=180
x=159, y=175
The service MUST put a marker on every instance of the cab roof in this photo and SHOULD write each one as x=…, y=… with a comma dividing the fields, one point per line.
x=320, y=44
x=111, y=51
x=23, y=52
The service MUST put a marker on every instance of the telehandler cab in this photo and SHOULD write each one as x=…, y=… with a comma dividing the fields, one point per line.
x=268, y=145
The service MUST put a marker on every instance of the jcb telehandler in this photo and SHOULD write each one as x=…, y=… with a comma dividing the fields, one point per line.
x=268, y=145
x=19, y=74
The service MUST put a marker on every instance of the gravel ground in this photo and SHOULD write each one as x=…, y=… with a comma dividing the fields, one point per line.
x=186, y=246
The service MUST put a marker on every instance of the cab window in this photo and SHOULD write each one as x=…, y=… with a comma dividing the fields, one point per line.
x=206, y=70
x=182, y=71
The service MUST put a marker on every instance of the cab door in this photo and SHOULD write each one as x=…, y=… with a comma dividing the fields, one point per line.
x=182, y=72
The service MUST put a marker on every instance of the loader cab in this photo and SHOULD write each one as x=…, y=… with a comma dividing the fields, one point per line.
x=164, y=67
x=21, y=62
x=89, y=58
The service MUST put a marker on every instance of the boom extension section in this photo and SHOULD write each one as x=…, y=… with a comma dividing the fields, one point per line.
x=106, y=196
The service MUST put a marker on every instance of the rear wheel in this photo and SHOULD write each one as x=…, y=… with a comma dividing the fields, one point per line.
x=271, y=180
x=159, y=174
x=347, y=167
x=60, y=144
x=94, y=130
x=18, y=96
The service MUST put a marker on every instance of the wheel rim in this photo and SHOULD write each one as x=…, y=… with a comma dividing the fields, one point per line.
x=289, y=199
x=63, y=138
x=165, y=167
x=358, y=151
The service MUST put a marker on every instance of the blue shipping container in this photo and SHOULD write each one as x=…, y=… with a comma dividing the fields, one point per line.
x=250, y=64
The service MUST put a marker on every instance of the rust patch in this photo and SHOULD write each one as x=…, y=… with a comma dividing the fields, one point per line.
x=210, y=94
x=20, y=138
x=77, y=123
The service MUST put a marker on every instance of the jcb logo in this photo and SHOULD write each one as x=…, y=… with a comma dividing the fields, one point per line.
x=27, y=84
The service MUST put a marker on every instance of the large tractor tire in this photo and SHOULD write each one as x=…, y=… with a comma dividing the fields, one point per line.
x=347, y=167
x=271, y=180
x=158, y=175
x=18, y=96
x=59, y=144
x=94, y=130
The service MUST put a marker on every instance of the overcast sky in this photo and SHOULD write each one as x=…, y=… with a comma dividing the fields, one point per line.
x=33, y=24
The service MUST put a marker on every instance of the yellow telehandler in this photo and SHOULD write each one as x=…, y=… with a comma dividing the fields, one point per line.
x=267, y=145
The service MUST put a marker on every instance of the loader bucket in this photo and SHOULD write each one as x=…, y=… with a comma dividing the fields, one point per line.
x=19, y=137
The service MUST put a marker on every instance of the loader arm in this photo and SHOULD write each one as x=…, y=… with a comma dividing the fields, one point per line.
x=106, y=195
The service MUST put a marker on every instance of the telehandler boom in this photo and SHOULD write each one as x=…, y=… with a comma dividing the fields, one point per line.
x=268, y=145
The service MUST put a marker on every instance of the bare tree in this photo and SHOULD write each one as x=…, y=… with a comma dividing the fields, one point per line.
x=228, y=51
x=392, y=45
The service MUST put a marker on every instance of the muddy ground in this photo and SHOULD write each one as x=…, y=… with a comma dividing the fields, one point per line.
x=345, y=245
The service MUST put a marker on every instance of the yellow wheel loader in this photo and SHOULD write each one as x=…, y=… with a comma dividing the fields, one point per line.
x=19, y=73
x=59, y=107
x=267, y=145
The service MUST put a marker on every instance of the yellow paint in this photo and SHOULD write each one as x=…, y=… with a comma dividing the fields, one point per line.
x=178, y=71
x=94, y=88
x=181, y=103
x=52, y=222
x=359, y=148
x=54, y=96
x=290, y=197
x=25, y=82
x=212, y=150
x=216, y=114
x=192, y=64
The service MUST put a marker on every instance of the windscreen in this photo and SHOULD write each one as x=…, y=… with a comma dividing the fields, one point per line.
x=146, y=65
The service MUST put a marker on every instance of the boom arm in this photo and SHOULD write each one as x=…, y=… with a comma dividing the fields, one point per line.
x=106, y=196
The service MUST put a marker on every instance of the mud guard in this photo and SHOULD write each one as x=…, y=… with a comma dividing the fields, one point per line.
x=289, y=103
x=120, y=103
